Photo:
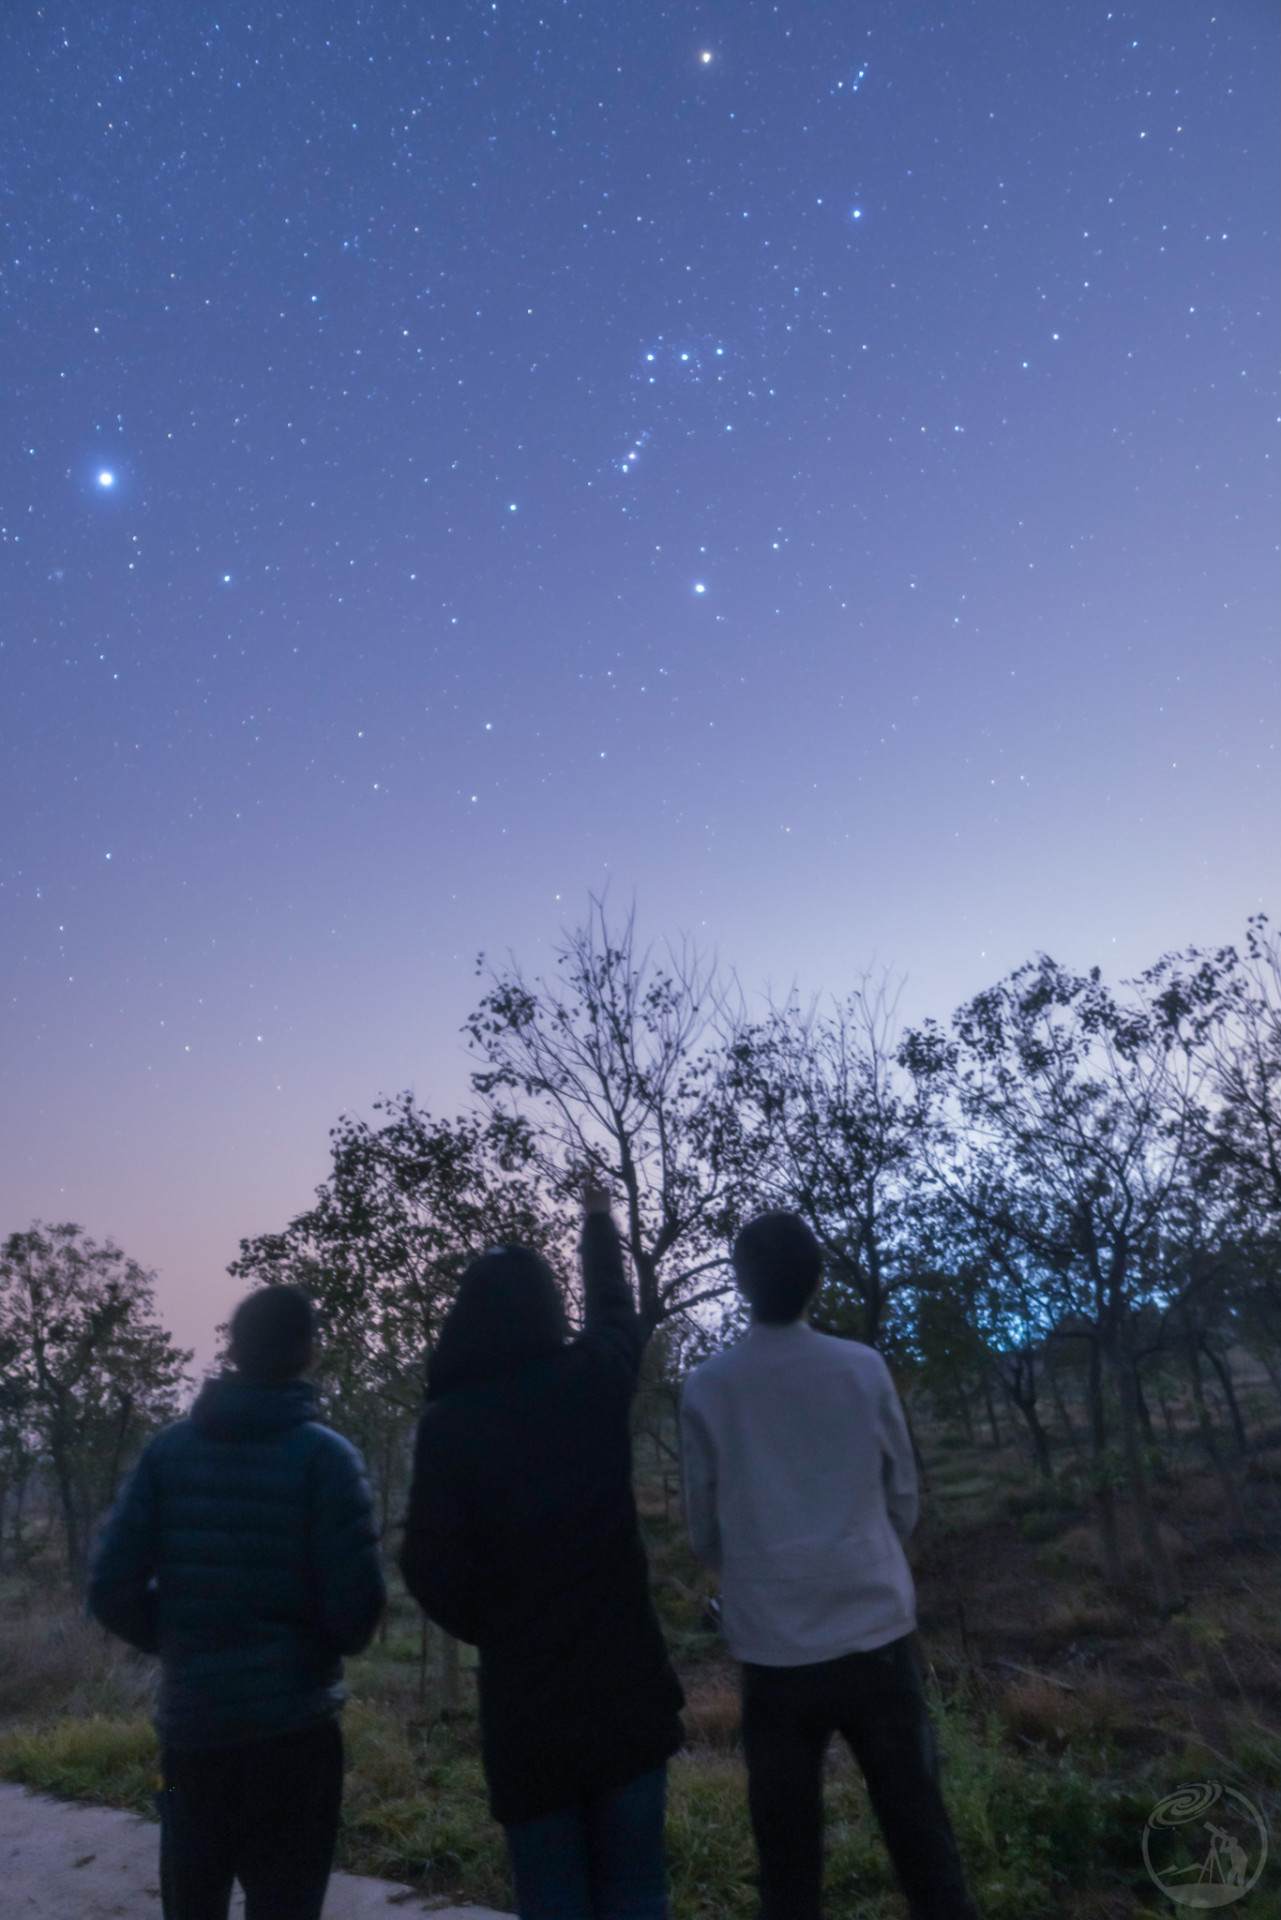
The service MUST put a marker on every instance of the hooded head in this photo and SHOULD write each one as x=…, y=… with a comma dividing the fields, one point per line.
x=508, y=1311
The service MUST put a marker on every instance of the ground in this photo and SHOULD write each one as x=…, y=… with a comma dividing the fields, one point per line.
x=65, y=1862
x=1066, y=1711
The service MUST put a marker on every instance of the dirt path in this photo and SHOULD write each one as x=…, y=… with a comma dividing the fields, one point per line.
x=63, y=1861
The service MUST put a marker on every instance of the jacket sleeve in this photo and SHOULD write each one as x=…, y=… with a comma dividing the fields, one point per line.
x=898, y=1462
x=699, y=1462
x=122, y=1584
x=436, y=1559
x=611, y=1324
x=346, y=1563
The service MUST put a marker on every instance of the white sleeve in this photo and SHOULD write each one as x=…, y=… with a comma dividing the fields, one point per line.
x=699, y=1459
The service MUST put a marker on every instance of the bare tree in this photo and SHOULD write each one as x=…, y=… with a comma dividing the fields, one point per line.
x=619, y=1062
x=824, y=1099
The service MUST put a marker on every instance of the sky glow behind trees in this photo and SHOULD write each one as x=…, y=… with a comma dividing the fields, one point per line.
x=810, y=468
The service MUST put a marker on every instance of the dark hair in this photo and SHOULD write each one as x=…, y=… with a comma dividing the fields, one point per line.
x=272, y=1334
x=508, y=1311
x=777, y=1262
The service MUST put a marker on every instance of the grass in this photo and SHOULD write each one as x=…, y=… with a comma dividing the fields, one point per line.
x=1064, y=1712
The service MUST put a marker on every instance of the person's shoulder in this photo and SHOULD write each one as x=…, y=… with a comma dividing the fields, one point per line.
x=174, y=1438
x=718, y=1366
x=330, y=1447
x=855, y=1356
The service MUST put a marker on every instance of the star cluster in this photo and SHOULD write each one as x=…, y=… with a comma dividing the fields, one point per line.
x=812, y=466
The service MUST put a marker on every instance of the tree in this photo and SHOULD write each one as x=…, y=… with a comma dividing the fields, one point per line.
x=86, y=1364
x=1233, y=1003
x=835, y=1141
x=1065, y=1123
x=408, y=1202
x=619, y=1064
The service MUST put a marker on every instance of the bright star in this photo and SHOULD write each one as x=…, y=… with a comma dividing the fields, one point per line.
x=699, y=587
x=106, y=479
x=705, y=58
x=857, y=213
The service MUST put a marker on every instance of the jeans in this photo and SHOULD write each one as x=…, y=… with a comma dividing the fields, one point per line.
x=599, y=1860
x=265, y=1814
x=875, y=1701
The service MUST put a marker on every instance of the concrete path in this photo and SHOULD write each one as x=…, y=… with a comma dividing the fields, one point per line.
x=63, y=1861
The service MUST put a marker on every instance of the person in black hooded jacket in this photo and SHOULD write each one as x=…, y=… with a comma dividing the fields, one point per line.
x=243, y=1551
x=522, y=1538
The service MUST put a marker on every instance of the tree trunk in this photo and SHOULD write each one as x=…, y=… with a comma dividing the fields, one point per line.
x=1060, y=1407
x=1021, y=1390
x=1127, y=1381
x=1105, y=1493
x=1221, y=1367
x=1231, y=1495
x=1273, y=1372
x=1141, y=1408
x=65, y=1482
x=1040, y=1445
x=118, y=1449
x=997, y=1441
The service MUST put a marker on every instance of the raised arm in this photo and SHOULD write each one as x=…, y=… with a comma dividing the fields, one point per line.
x=611, y=1324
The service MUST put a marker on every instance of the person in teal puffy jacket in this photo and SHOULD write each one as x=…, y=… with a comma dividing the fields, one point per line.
x=243, y=1552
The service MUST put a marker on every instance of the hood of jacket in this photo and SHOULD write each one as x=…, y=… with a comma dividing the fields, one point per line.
x=229, y=1407
x=508, y=1311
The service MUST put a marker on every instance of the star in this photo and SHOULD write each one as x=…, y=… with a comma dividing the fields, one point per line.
x=106, y=479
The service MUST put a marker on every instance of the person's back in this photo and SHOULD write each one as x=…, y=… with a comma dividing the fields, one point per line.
x=522, y=1537
x=814, y=1491
x=243, y=1552
x=800, y=1488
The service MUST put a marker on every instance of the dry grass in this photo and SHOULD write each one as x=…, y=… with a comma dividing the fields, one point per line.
x=1064, y=1710
x=56, y=1661
x=713, y=1712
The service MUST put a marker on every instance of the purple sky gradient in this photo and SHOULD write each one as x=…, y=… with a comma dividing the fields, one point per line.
x=826, y=492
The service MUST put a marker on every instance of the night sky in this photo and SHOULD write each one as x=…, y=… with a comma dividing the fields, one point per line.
x=810, y=469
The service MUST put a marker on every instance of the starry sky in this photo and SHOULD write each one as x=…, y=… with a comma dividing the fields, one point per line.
x=810, y=469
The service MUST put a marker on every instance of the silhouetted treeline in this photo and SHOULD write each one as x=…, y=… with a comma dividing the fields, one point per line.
x=1061, y=1210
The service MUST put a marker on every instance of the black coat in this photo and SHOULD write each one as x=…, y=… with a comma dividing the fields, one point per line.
x=522, y=1537
x=243, y=1551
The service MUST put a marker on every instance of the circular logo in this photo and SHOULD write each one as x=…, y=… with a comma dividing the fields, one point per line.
x=1205, y=1846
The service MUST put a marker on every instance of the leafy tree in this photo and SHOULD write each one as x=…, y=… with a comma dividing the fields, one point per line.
x=408, y=1202
x=1231, y=1003
x=89, y=1373
x=1064, y=1118
x=618, y=1063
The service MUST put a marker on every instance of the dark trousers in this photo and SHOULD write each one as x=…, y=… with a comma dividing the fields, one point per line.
x=265, y=1814
x=875, y=1701
x=600, y=1860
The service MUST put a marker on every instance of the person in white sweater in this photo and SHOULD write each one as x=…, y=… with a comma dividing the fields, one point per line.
x=800, y=1489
